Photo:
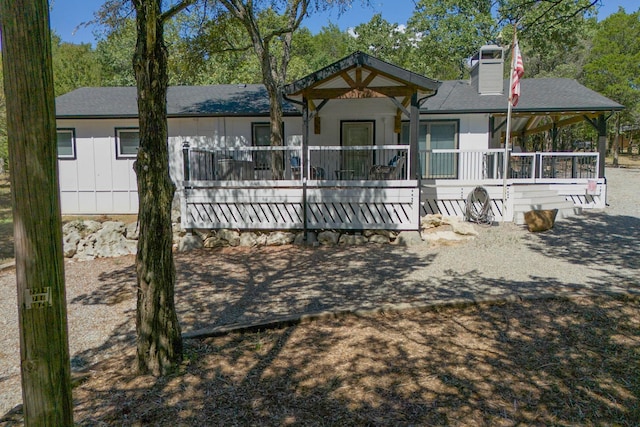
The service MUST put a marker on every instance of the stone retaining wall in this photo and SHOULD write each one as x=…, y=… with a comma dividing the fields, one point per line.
x=89, y=239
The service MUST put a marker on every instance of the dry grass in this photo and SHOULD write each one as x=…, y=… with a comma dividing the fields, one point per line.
x=625, y=161
x=552, y=362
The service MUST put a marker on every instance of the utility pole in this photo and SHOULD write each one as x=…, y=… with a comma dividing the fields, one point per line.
x=31, y=130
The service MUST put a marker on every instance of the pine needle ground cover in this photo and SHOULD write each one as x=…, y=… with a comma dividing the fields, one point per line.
x=545, y=362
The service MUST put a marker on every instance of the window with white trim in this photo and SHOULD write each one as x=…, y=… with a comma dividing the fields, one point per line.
x=435, y=135
x=66, y=142
x=127, y=142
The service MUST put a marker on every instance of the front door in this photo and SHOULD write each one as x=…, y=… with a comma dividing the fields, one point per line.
x=356, y=162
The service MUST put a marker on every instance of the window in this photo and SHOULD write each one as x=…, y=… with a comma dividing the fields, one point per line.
x=127, y=142
x=66, y=144
x=435, y=135
x=261, y=137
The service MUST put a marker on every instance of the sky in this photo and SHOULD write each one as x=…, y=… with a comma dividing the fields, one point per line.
x=68, y=15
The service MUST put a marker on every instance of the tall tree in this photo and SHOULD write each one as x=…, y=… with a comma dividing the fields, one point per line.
x=452, y=30
x=613, y=67
x=159, y=347
x=270, y=26
x=74, y=66
x=386, y=41
x=31, y=125
x=114, y=52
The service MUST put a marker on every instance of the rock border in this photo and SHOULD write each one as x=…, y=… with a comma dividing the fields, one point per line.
x=91, y=239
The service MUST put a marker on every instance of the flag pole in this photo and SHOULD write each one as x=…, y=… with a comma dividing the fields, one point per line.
x=507, y=138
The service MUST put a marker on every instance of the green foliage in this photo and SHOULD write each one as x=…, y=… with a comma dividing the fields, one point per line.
x=74, y=66
x=115, y=53
x=453, y=30
x=385, y=41
x=613, y=66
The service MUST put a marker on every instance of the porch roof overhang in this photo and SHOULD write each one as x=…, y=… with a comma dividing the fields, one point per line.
x=545, y=103
x=361, y=76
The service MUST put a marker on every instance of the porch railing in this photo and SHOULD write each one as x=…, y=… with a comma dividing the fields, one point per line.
x=326, y=163
x=359, y=163
x=382, y=163
x=241, y=163
x=487, y=165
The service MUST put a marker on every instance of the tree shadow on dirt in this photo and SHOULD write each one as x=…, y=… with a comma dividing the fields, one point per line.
x=608, y=243
x=551, y=361
x=558, y=362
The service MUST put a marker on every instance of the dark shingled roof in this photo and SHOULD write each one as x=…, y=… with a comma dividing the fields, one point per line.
x=453, y=97
x=182, y=101
x=536, y=95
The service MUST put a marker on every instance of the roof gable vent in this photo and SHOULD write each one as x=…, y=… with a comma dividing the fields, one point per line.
x=487, y=69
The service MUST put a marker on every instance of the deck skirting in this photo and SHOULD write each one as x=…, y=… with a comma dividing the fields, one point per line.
x=290, y=206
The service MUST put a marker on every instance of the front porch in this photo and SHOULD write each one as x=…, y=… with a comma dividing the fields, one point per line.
x=368, y=187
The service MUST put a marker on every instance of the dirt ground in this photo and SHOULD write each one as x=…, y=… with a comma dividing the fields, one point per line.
x=549, y=361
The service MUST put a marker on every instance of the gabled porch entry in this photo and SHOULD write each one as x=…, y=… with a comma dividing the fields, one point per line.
x=343, y=175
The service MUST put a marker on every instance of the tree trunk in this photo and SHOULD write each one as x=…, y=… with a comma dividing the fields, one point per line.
x=275, y=112
x=31, y=125
x=159, y=337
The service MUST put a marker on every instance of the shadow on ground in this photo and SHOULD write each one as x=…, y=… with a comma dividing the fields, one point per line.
x=544, y=361
x=608, y=243
x=560, y=362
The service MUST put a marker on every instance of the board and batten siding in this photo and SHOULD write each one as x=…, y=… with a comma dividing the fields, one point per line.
x=98, y=182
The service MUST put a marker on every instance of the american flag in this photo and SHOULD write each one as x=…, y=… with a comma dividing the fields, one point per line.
x=517, y=73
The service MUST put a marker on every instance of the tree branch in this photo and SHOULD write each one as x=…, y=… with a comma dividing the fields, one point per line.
x=177, y=8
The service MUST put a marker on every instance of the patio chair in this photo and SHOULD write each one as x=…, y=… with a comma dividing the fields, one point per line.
x=393, y=170
x=295, y=167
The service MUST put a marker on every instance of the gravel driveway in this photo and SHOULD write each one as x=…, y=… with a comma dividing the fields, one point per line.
x=598, y=252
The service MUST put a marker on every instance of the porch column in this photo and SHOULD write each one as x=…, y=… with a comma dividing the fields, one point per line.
x=414, y=121
x=305, y=137
x=304, y=163
x=601, y=124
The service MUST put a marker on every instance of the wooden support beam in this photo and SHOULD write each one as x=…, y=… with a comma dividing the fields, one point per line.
x=333, y=93
x=372, y=75
x=316, y=125
x=347, y=78
x=397, y=123
x=557, y=123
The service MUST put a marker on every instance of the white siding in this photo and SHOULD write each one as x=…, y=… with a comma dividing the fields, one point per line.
x=96, y=182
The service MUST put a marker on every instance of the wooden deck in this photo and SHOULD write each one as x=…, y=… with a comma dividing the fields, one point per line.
x=225, y=193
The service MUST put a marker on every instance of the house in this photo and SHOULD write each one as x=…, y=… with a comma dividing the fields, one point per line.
x=367, y=145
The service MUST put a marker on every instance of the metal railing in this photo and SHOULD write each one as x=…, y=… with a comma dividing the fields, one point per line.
x=241, y=163
x=568, y=165
x=381, y=162
x=377, y=162
x=488, y=165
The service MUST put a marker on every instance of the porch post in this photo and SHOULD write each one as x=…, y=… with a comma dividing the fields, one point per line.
x=414, y=168
x=186, y=167
x=414, y=121
x=602, y=143
x=305, y=138
x=303, y=164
